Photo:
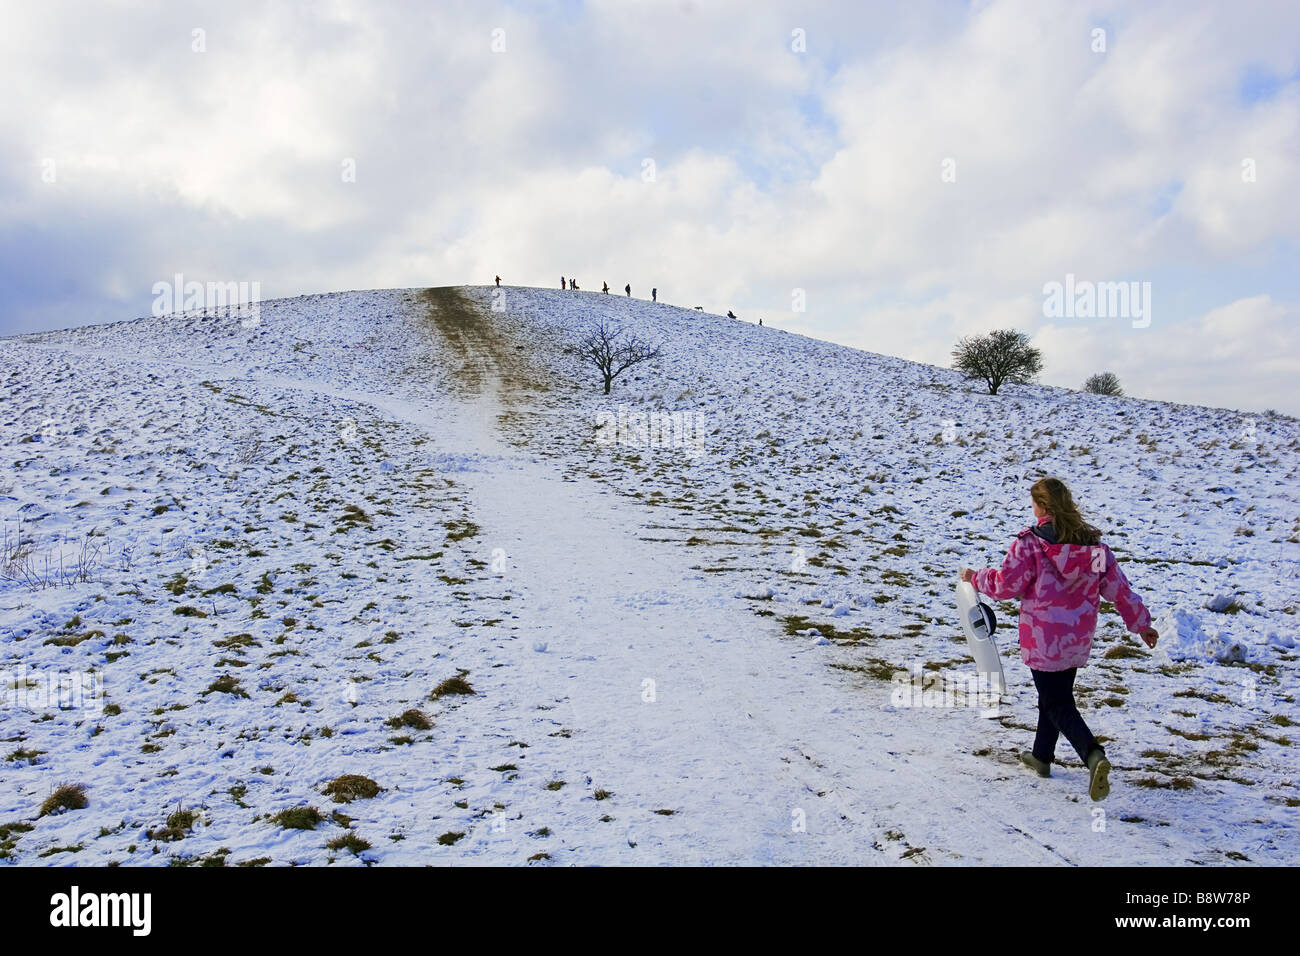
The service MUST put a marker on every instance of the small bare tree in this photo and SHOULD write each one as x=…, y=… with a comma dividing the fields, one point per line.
x=1001, y=356
x=613, y=350
x=1103, y=383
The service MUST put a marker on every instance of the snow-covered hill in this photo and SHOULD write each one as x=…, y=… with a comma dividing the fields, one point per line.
x=283, y=544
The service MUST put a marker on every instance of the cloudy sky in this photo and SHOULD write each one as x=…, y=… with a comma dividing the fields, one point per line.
x=911, y=172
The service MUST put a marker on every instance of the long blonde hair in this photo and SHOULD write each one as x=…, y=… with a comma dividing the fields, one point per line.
x=1051, y=495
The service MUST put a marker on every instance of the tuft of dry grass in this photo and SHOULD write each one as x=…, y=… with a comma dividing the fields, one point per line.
x=67, y=796
x=351, y=787
x=298, y=818
x=226, y=684
x=179, y=823
x=411, y=718
x=452, y=685
x=350, y=842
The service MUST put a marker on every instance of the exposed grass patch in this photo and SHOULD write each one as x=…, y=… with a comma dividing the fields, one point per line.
x=226, y=684
x=1236, y=607
x=298, y=818
x=794, y=623
x=460, y=530
x=874, y=667
x=1211, y=696
x=67, y=796
x=352, y=517
x=236, y=641
x=61, y=849
x=179, y=823
x=351, y=787
x=410, y=718
x=72, y=640
x=350, y=842
x=452, y=685
x=8, y=840
x=1188, y=734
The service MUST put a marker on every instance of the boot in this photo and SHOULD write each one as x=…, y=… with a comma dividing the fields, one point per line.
x=1033, y=763
x=1098, y=774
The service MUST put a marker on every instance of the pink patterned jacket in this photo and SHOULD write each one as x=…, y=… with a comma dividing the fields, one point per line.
x=1059, y=586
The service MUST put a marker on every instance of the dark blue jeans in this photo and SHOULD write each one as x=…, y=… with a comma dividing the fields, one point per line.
x=1057, y=714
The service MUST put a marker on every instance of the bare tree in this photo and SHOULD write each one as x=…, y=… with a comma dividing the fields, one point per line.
x=1103, y=383
x=1001, y=356
x=613, y=350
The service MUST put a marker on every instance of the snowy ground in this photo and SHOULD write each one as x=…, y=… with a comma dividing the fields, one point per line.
x=278, y=539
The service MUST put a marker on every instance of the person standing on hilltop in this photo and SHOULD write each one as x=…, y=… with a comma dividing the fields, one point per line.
x=561, y=282
x=606, y=289
x=498, y=282
x=573, y=284
x=628, y=289
x=1060, y=569
x=654, y=295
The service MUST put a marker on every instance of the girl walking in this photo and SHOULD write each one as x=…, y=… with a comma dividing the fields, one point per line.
x=1060, y=569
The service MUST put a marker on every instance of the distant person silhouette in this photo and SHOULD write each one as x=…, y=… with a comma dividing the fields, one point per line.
x=628, y=289
x=573, y=284
x=498, y=282
x=654, y=295
x=562, y=283
x=606, y=289
x=760, y=321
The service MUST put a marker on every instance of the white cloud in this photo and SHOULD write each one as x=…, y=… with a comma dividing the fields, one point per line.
x=1199, y=362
